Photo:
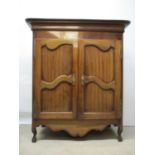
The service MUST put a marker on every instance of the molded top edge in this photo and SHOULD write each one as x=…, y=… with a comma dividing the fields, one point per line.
x=31, y=21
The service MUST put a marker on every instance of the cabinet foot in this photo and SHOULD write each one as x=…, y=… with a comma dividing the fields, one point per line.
x=120, y=129
x=108, y=126
x=34, y=131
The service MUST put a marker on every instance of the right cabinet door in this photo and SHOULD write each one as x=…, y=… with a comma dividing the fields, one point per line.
x=100, y=74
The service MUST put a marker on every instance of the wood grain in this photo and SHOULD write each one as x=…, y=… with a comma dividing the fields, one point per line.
x=58, y=99
x=103, y=99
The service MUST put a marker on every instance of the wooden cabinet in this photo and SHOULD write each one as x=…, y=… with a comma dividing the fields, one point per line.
x=77, y=75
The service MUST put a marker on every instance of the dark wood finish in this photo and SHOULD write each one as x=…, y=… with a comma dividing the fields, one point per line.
x=77, y=75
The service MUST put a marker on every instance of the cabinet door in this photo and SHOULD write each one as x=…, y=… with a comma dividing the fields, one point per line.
x=100, y=73
x=55, y=83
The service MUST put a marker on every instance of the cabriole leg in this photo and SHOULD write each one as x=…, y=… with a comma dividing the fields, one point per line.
x=120, y=129
x=34, y=131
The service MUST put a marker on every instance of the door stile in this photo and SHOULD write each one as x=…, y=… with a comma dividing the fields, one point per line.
x=80, y=87
x=75, y=72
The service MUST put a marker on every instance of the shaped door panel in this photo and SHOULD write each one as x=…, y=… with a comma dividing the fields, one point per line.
x=55, y=78
x=100, y=73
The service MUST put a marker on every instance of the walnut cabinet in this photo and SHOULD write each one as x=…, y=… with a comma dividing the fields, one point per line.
x=77, y=75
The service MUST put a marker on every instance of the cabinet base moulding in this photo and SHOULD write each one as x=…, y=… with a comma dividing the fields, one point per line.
x=76, y=131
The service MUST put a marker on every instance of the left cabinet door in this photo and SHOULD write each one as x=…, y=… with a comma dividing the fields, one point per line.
x=55, y=79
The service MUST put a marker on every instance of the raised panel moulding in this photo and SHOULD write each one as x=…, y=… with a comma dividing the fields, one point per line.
x=53, y=47
x=100, y=83
x=101, y=48
x=57, y=81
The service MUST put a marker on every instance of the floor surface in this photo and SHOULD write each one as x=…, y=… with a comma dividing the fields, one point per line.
x=60, y=143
